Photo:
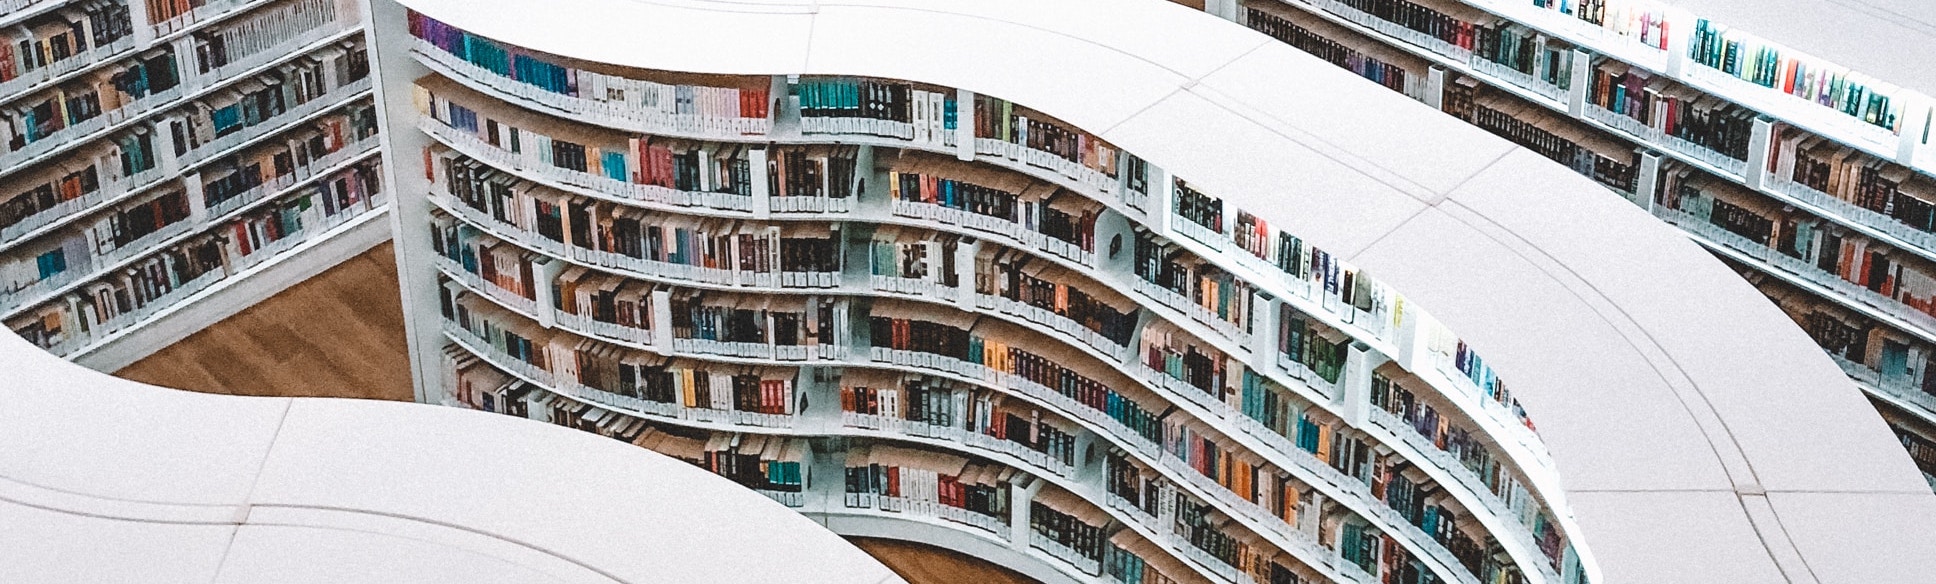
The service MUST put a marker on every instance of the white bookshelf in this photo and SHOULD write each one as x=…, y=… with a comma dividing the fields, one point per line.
x=319, y=241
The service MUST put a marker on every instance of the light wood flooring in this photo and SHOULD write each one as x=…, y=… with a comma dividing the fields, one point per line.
x=926, y=564
x=339, y=334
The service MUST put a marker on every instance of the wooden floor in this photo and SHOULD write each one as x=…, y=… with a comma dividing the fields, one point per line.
x=339, y=334
x=926, y=564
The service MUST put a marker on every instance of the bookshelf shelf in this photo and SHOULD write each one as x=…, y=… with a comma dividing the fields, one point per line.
x=178, y=232
x=192, y=88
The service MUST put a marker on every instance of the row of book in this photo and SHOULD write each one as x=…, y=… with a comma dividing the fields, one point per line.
x=1003, y=121
x=1525, y=50
x=631, y=373
x=1175, y=353
x=1845, y=173
x=164, y=275
x=930, y=477
x=1019, y=279
x=814, y=171
x=1226, y=297
x=929, y=260
x=1424, y=19
x=1759, y=62
x=1466, y=101
x=605, y=298
x=719, y=105
x=1032, y=214
x=1311, y=344
x=1451, y=436
x=980, y=411
x=693, y=317
x=1672, y=109
x=263, y=30
x=598, y=225
x=1391, y=75
x=890, y=109
x=49, y=39
x=119, y=230
x=1067, y=530
x=1849, y=256
x=502, y=264
x=1641, y=21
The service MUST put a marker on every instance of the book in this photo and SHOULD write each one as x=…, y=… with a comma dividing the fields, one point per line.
x=1025, y=279
x=1757, y=61
x=715, y=104
x=1392, y=69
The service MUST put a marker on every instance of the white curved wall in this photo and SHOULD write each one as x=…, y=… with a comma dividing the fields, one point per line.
x=108, y=480
x=1699, y=435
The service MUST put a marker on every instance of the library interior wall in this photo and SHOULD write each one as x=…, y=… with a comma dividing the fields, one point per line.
x=1626, y=383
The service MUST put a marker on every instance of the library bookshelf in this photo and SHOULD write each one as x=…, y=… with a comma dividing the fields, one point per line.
x=302, y=489
x=169, y=163
x=899, y=284
x=1801, y=159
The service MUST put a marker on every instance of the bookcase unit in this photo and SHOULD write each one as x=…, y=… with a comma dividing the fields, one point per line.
x=926, y=269
x=1657, y=104
x=167, y=163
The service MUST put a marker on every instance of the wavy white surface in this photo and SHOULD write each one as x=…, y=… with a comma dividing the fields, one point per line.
x=108, y=480
x=1700, y=436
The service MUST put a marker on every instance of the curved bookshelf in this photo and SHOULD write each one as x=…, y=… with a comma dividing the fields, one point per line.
x=1205, y=236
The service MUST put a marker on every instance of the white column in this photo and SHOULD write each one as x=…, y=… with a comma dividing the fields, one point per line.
x=1582, y=80
x=144, y=31
x=544, y=272
x=964, y=124
x=1018, y=513
x=1231, y=10
x=1355, y=396
x=1915, y=122
x=197, y=197
x=762, y=195
x=1435, y=87
x=1759, y=151
x=1647, y=180
x=1681, y=22
x=965, y=254
x=662, y=320
x=1162, y=209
